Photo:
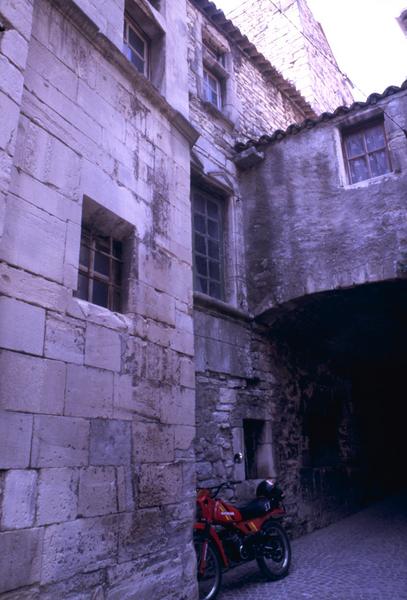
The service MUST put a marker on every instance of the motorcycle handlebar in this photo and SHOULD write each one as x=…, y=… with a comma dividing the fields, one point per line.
x=219, y=487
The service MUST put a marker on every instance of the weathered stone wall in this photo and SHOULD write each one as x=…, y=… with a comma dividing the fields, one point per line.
x=288, y=35
x=314, y=231
x=97, y=408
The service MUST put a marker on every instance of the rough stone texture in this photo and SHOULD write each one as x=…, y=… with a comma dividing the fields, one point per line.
x=21, y=558
x=19, y=497
x=15, y=440
x=288, y=35
x=60, y=442
x=57, y=495
x=110, y=442
x=97, y=492
x=31, y=384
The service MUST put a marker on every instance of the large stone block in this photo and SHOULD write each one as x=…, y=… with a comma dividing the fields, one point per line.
x=123, y=400
x=19, y=499
x=31, y=288
x=14, y=47
x=65, y=339
x=135, y=539
x=34, y=239
x=20, y=563
x=21, y=326
x=8, y=120
x=103, y=348
x=125, y=489
x=57, y=495
x=152, y=442
x=89, y=392
x=97, y=492
x=60, y=442
x=15, y=440
x=19, y=14
x=177, y=406
x=31, y=384
x=79, y=546
x=110, y=442
x=160, y=484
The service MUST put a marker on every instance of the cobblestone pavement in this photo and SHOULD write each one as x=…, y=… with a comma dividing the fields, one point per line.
x=362, y=557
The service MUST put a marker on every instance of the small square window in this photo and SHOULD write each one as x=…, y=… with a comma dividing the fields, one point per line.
x=100, y=270
x=208, y=243
x=136, y=46
x=212, y=89
x=366, y=152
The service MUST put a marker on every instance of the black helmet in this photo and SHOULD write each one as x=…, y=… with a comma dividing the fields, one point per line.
x=269, y=489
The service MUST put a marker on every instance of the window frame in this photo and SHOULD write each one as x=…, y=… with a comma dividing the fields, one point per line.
x=207, y=73
x=362, y=128
x=89, y=239
x=220, y=202
x=129, y=22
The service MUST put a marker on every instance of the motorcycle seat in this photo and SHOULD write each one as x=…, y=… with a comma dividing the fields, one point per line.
x=256, y=508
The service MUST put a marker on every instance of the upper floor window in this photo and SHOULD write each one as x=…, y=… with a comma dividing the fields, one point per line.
x=208, y=243
x=100, y=270
x=212, y=89
x=366, y=152
x=136, y=46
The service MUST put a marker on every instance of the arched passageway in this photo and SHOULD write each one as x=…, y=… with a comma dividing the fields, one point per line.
x=340, y=421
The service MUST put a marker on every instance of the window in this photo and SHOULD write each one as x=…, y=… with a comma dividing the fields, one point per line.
x=207, y=212
x=212, y=89
x=100, y=270
x=366, y=152
x=136, y=46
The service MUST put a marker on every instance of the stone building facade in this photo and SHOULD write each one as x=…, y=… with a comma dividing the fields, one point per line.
x=133, y=361
x=286, y=32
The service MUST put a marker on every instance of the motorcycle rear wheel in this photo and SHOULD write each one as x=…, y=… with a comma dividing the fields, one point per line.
x=276, y=558
x=210, y=582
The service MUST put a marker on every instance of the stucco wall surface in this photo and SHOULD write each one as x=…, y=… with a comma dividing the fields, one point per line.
x=308, y=229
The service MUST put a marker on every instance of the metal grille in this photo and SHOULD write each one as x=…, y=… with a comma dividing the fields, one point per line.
x=100, y=270
x=208, y=244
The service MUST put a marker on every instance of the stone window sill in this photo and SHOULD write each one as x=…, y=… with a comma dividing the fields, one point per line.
x=218, y=306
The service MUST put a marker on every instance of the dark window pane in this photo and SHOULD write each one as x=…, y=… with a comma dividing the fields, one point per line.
x=116, y=301
x=214, y=270
x=100, y=293
x=101, y=264
x=202, y=285
x=117, y=272
x=215, y=290
x=358, y=170
x=136, y=42
x=199, y=204
x=379, y=163
x=213, y=249
x=102, y=243
x=117, y=249
x=199, y=223
x=201, y=265
x=84, y=256
x=83, y=287
x=213, y=229
x=213, y=210
x=375, y=138
x=355, y=145
x=200, y=245
x=137, y=62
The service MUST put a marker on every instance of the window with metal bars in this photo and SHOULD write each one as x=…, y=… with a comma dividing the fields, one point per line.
x=100, y=270
x=136, y=46
x=366, y=151
x=208, y=212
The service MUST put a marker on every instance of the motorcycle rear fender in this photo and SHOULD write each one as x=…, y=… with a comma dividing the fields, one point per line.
x=200, y=527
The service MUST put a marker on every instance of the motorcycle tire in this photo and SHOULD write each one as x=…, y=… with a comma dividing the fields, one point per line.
x=275, y=560
x=208, y=584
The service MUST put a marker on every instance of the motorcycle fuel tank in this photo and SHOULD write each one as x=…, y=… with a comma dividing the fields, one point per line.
x=225, y=512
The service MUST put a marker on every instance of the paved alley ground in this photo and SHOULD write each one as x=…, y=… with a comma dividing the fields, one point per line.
x=362, y=557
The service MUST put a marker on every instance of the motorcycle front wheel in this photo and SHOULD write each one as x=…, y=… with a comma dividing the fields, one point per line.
x=208, y=583
x=275, y=558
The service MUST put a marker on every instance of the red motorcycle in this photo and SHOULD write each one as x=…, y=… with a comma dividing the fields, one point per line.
x=226, y=536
